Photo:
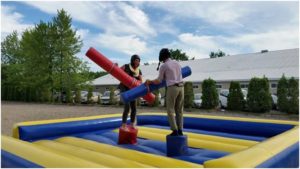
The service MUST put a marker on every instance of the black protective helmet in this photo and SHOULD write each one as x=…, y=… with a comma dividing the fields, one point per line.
x=133, y=57
x=164, y=54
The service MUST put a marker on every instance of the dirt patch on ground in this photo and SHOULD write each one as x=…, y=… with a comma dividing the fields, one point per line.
x=14, y=112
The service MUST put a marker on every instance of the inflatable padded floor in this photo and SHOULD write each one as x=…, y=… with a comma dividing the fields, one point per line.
x=213, y=141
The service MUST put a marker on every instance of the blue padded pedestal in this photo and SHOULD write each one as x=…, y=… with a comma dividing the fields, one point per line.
x=176, y=145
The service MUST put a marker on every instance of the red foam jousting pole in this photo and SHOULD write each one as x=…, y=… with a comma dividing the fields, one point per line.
x=116, y=72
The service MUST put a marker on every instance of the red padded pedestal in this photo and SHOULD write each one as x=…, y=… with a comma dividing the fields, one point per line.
x=127, y=135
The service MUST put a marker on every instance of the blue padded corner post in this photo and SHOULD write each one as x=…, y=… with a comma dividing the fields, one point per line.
x=177, y=145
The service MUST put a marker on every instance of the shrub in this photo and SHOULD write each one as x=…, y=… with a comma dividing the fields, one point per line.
x=282, y=93
x=235, y=97
x=188, y=95
x=259, y=98
x=293, y=95
x=210, y=97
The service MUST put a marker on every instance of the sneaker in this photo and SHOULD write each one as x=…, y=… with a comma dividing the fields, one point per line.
x=124, y=127
x=174, y=133
x=180, y=132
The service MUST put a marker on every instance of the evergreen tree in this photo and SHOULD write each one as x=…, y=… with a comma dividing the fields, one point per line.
x=66, y=46
x=235, y=97
x=11, y=67
x=217, y=54
x=10, y=49
x=282, y=93
x=293, y=96
x=188, y=95
x=259, y=97
x=210, y=97
x=43, y=59
x=36, y=54
x=267, y=98
x=178, y=55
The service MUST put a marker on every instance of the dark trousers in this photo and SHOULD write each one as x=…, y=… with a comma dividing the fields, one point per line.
x=132, y=106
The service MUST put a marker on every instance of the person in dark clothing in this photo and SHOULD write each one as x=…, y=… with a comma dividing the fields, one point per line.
x=133, y=70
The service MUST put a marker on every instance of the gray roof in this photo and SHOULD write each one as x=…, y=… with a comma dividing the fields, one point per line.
x=241, y=67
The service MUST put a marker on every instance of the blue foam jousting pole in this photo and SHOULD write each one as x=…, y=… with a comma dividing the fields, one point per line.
x=142, y=89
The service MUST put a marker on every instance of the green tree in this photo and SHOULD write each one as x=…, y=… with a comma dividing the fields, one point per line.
x=188, y=95
x=217, y=54
x=282, y=93
x=95, y=75
x=177, y=54
x=210, y=97
x=293, y=95
x=10, y=49
x=259, y=98
x=66, y=46
x=235, y=97
x=44, y=59
x=37, y=59
x=11, y=67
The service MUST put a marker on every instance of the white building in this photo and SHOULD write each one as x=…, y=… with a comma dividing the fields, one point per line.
x=241, y=68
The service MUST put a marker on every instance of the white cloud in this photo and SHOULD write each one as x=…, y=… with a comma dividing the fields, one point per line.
x=200, y=46
x=138, y=18
x=231, y=16
x=198, y=41
x=126, y=44
x=195, y=27
x=212, y=12
x=113, y=17
x=271, y=40
x=11, y=20
x=122, y=46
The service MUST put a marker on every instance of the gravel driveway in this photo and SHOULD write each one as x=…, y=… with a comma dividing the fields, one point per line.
x=14, y=112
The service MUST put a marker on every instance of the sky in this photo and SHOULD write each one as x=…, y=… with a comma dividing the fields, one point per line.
x=119, y=29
